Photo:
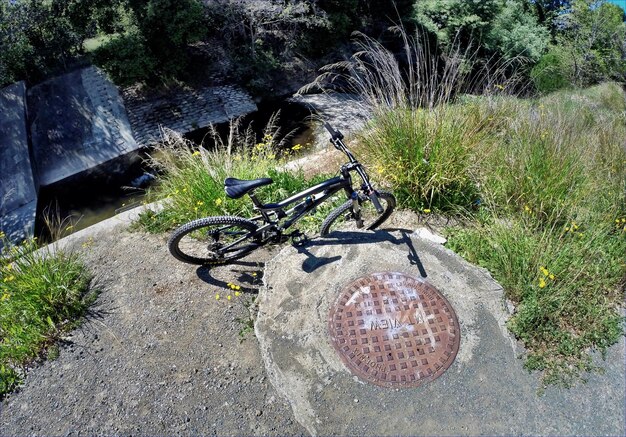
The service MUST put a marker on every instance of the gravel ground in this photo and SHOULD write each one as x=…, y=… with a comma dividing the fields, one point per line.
x=158, y=353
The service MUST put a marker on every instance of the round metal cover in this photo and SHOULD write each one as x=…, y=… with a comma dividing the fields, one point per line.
x=394, y=330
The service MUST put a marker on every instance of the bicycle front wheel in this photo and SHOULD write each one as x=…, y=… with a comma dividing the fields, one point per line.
x=213, y=240
x=343, y=217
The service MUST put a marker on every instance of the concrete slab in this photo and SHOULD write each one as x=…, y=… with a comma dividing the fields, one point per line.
x=18, y=190
x=486, y=391
x=78, y=122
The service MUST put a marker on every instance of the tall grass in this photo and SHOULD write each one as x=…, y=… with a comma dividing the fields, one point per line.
x=42, y=294
x=191, y=181
x=539, y=183
x=552, y=224
x=419, y=145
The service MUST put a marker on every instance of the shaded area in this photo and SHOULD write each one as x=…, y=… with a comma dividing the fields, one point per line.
x=77, y=122
x=18, y=191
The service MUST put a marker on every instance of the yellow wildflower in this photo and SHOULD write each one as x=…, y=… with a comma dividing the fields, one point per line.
x=217, y=297
x=196, y=153
x=527, y=208
x=544, y=271
x=297, y=147
x=228, y=297
x=200, y=203
x=253, y=273
x=2, y=234
x=551, y=276
x=5, y=296
x=9, y=278
x=542, y=283
x=237, y=293
x=218, y=201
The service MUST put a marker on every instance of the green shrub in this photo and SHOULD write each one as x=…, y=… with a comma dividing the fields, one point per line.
x=42, y=294
x=126, y=59
x=552, y=72
x=191, y=182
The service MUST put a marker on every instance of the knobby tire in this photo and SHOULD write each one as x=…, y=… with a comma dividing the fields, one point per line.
x=344, y=211
x=193, y=242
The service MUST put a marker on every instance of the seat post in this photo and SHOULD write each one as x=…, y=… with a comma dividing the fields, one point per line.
x=258, y=205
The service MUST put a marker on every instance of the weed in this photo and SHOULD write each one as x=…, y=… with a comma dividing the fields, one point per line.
x=549, y=228
x=42, y=294
x=247, y=326
x=192, y=178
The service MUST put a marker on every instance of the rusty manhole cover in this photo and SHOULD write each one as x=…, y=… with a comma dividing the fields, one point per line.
x=394, y=330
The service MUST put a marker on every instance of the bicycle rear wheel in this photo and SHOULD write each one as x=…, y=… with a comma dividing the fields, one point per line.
x=213, y=240
x=344, y=218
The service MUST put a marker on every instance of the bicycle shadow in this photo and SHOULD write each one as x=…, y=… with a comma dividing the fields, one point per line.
x=313, y=262
x=247, y=274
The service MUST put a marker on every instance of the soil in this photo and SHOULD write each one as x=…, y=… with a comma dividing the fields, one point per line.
x=157, y=354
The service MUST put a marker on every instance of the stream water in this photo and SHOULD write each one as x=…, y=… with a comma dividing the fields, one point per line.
x=75, y=204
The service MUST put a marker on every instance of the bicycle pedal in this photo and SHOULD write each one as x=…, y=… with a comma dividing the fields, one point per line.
x=298, y=238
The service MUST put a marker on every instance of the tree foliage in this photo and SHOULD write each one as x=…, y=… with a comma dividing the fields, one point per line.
x=593, y=37
x=37, y=37
x=507, y=28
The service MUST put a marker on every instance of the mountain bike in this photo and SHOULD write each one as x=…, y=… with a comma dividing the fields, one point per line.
x=224, y=239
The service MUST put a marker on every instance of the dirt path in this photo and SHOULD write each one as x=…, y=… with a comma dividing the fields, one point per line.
x=158, y=355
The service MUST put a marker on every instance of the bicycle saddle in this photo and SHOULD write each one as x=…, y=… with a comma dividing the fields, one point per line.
x=235, y=188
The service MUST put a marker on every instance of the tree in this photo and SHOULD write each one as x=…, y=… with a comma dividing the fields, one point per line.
x=507, y=28
x=515, y=32
x=457, y=21
x=168, y=27
x=37, y=37
x=547, y=12
x=593, y=35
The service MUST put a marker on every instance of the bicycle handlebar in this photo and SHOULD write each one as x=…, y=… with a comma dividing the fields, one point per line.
x=335, y=138
x=334, y=134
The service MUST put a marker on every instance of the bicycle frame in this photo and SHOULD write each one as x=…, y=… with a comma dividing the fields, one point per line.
x=227, y=238
x=308, y=200
x=271, y=214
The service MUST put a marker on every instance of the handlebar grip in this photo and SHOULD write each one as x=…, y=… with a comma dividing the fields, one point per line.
x=335, y=134
x=374, y=198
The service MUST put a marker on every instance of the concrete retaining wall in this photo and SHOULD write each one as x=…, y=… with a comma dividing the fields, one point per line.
x=77, y=122
x=184, y=110
x=18, y=190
